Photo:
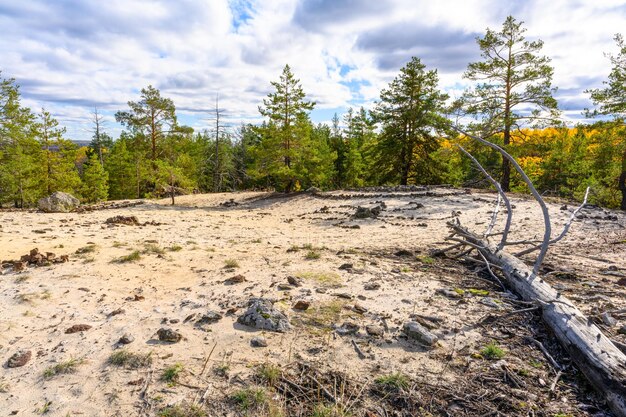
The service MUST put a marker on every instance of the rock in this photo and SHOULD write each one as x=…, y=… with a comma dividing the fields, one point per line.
x=345, y=267
x=209, y=317
x=622, y=330
x=77, y=328
x=127, y=220
x=374, y=330
x=19, y=266
x=295, y=281
x=284, y=287
x=359, y=309
x=168, y=335
x=371, y=286
x=367, y=213
x=490, y=302
x=58, y=202
x=116, y=312
x=347, y=328
x=301, y=305
x=126, y=339
x=258, y=341
x=449, y=293
x=19, y=358
x=608, y=320
x=261, y=314
x=415, y=331
x=403, y=253
x=343, y=295
x=237, y=279
x=313, y=190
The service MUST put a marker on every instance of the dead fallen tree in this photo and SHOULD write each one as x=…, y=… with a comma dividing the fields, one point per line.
x=596, y=356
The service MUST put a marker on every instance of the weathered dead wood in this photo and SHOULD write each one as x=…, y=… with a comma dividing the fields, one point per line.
x=596, y=356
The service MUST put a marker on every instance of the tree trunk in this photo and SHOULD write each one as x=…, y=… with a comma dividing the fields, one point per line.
x=596, y=356
x=622, y=181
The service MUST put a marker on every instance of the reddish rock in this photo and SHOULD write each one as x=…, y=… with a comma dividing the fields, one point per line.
x=20, y=358
x=77, y=328
x=301, y=305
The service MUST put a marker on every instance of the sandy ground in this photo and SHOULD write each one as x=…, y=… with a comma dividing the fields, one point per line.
x=183, y=266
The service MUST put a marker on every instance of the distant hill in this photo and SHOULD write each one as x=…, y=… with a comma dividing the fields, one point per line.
x=81, y=143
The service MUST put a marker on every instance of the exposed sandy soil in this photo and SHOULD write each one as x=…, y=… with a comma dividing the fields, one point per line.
x=270, y=238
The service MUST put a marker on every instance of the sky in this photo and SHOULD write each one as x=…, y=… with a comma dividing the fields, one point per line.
x=69, y=56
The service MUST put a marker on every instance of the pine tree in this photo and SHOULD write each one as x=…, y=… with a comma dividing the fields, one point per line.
x=410, y=110
x=121, y=170
x=512, y=78
x=286, y=133
x=58, y=167
x=611, y=100
x=19, y=151
x=95, y=180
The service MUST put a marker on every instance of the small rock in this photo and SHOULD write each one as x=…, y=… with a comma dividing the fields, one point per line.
x=490, y=302
x=415, y=331
x=343, y=295
x=404, y=253
x=19, y=358
x=258, y=341
x=301, y=305
x=168, y=335
x=374, y=330
x=126, y=339
x=284, y=287
x=622, y=330
x=295, y=281
x=261, y=314
x=77, y=328
x=448, y=293
x=347, y=328
x=313, y=190
x=371, y=286
x=608, y=320
x=359, y=308
x=237, y=279
x=345, y=267
x=209, y=317
x=116, y=312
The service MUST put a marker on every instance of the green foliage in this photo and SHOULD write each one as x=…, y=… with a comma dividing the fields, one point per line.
x=393, y=382
x=250, y=398
x=410, y=110
x=268, y=373
x=66, y=367
x=130, y=360
x=172, y=373
x=492, y=351
x=511, y=80
x=131, y=257
x=183, y=410
x=95, y=180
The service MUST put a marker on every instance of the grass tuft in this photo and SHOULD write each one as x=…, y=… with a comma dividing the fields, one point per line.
x=131, y=257
x=250, y=398
x=325, y=279
x=130, y=360
x=231, y=263
x=492, y=351
x=183, y=410
x=312, y=254
x=268, y=373
x=172, y=373
x=393, y=382
x=175, y=248
x=66, y=367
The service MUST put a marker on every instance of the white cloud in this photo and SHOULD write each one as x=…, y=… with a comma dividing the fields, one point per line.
x=71, y=55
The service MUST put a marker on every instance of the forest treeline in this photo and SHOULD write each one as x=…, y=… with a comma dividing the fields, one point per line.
x=406, y=138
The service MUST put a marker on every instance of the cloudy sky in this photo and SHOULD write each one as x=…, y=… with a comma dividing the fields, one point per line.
x=71, y=55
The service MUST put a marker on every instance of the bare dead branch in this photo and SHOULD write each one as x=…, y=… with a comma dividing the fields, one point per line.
x=507, y=203
x=544, y=209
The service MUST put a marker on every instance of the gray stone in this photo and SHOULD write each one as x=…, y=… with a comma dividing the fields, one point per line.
x=209, y=317
x=622, y=330
x=258, y=341
x=126, y=339
x=608, y=320
x=261, y=314
x=58, y=202
x=374, y=330
x=415, y=331
x=347, y=328
x=168, y=335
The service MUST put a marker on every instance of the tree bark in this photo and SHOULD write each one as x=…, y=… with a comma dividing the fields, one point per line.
x=596, y=356
x=622, y=181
